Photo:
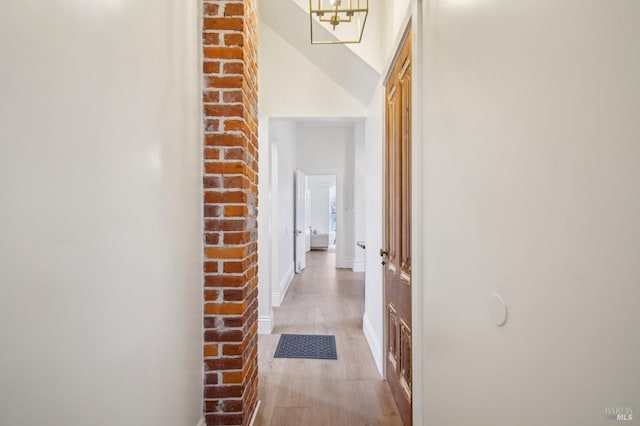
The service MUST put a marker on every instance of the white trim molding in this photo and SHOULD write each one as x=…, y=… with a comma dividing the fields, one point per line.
x=358, y=265
x=202, y=422
x=344, y=262
x=255, y=413
x=374, y=344
x=277, y=297
x=417, y=200
x=265, y=324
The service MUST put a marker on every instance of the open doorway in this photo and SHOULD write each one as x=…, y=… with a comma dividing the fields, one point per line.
x=323, y=212
x=316, y=216
x=328, y=295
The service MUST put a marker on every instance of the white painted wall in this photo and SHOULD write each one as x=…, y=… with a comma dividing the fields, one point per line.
x=284, y=138
x=100, y=230
x=296, y=87
x=359, y=185
x=396, y=14
x=328, y=147
x=373, y=321
x=531, y=190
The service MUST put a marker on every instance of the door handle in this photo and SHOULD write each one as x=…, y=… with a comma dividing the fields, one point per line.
x=384, y=254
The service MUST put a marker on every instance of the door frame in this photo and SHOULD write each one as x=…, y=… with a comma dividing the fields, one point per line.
x=418, y=266
x=339, y=174
x=414, y=22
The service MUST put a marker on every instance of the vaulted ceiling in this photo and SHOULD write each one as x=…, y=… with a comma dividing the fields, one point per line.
x=355, y=69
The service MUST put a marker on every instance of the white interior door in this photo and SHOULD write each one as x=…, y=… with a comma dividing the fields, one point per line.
x=300, y=220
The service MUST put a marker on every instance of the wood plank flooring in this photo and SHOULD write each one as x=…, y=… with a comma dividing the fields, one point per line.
x=310, y=392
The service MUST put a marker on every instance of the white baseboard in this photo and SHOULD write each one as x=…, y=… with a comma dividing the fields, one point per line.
x=202, y=422
x=265, y=324
x=344, y=262
x=374, y=343
x=287, y=283
x=255, y=413
x=358, y=265
x=278, y=296
x=276, y=299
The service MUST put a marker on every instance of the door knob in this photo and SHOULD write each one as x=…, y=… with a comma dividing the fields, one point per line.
x=383, y=254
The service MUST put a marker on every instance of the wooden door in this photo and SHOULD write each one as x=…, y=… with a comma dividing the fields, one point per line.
x=397, y=252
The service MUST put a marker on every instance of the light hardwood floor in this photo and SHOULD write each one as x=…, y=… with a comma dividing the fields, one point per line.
x=309, y=392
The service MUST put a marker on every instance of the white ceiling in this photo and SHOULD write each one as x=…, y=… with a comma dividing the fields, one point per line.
x=346, y=68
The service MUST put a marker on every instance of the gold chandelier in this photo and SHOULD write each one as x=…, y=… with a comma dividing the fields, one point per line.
x=337, y=21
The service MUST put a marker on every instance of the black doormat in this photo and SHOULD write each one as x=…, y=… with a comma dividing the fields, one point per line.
x=315, y=346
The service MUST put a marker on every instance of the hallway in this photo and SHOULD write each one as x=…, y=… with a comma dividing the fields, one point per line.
x=349, y=391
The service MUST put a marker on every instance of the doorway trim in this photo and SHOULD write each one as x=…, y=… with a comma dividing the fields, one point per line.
x=418, y=267
x=330, y=187
x=341, y=263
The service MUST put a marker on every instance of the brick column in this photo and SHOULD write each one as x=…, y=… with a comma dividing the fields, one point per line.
x=230, y=210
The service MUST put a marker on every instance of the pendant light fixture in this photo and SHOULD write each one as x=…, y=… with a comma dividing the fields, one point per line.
x=337, y=21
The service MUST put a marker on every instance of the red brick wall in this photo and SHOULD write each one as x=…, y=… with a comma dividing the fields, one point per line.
x=230, y=210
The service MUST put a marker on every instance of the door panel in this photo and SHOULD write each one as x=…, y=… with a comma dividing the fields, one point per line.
x=300, y=251
x=405, y=166
x=397, y=251
x=393, y=327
